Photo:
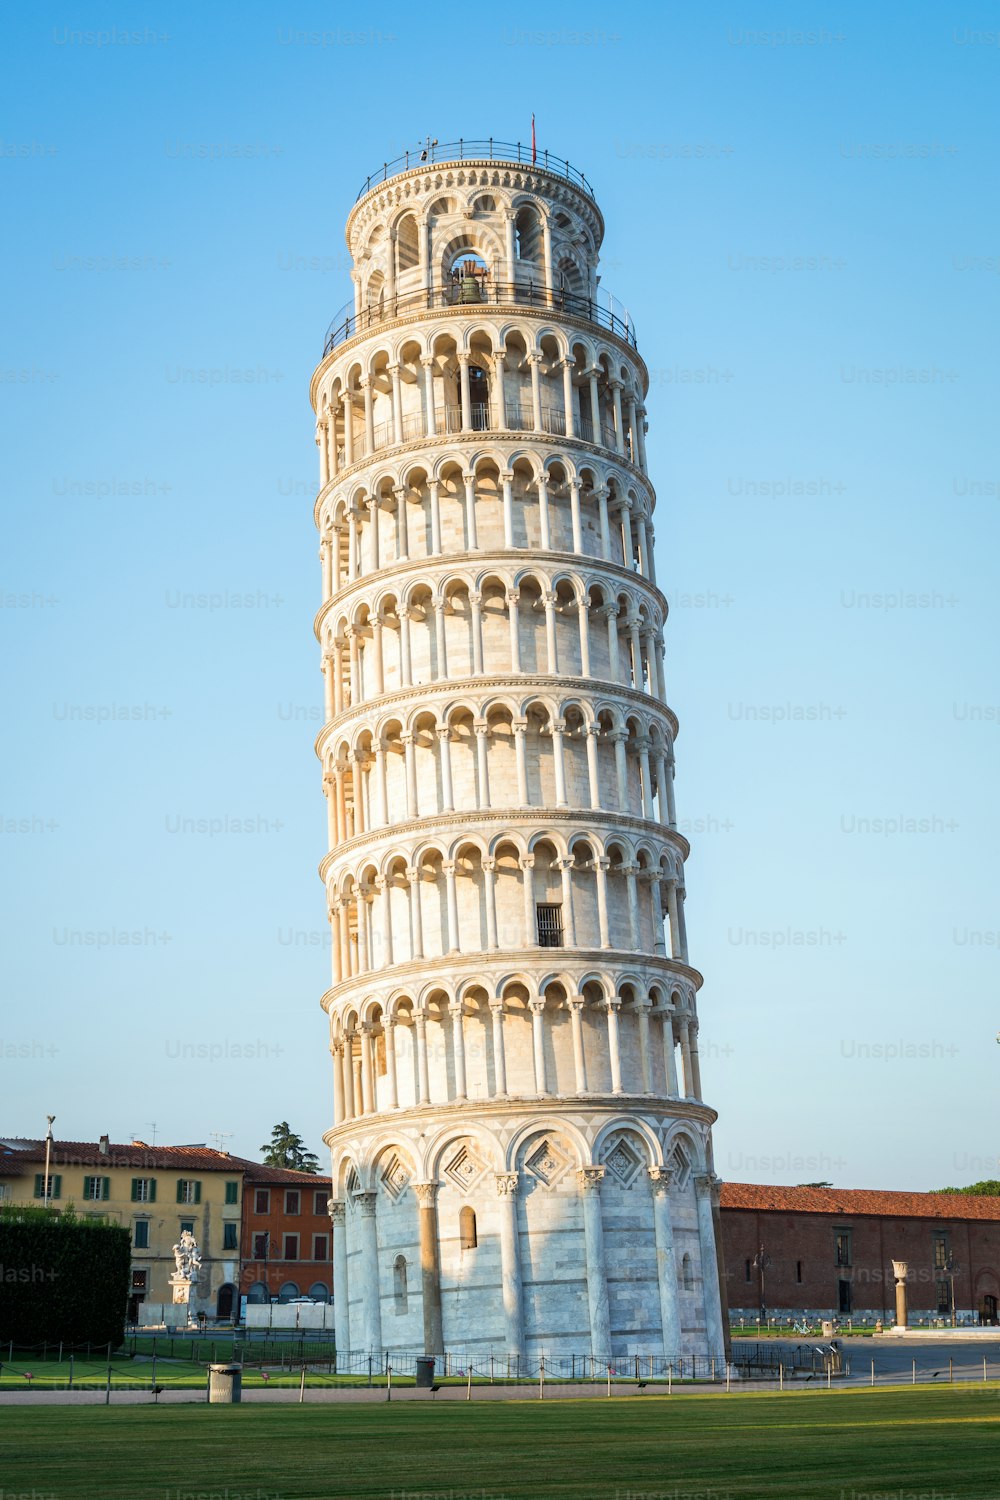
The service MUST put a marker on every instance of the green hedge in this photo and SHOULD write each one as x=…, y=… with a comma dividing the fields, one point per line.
x=62, y=1279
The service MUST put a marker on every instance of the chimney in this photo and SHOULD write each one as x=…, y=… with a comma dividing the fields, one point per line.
x=102, y=1145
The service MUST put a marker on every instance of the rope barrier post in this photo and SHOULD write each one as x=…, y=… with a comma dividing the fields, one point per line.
x=670, y=1379
x=781, y=1377
x=468, y=1389
x=914, y=1380
x=388, y=1382
x=609, y=1380
x=107, y=1389
x=873, y=1372
x=729, y=1370
x=541, y=1380
x=984, y=1369
x=302, y=1385
x=152, y=1379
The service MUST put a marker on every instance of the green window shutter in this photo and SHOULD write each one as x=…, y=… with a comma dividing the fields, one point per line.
x=56, y=1187
x=135, y=1190
x=105, y=1188
x=232, y=1192
x=180, y=1190
x=151, y=1196
x=197, y=1192
x=39, y=1184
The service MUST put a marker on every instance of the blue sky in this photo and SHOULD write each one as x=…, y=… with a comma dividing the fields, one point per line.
x=801, y=208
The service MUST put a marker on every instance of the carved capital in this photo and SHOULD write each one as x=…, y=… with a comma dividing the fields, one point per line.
x=366, y=1202
x=506, y=1184
x=338, y=1212
x=660, y=1179
x=590, y=1179
x=426, y=1193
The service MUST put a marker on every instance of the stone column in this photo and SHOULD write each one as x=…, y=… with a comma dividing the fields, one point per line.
x=384, y=887
x=482, y=730
x=601, y=866
x=552, y=658
x=714, y=1331
x=410, y=755
x=576, y=1005
x=470, y=510
x=476, y=611
x=447, y=791
x=430, y=420
x=610, y=613
x=350, y=1111
x=670, y=1055
x=397, y=405
x=537, y=1008
x=423, y=1075
x=430, y=1266
x=646, y=777
x=507, y=480
x=457, y=1013
x=368, y=1268
x=900, y=1268
x=520, y=727
x=642, y=1008
x=489, y=891
x=583, y=618
x=602, y=506
x=338, y=1085
x=382, y=791
x=633, y=904
x=499, y=392
x=440, y=639
x=593, y=733
x=528, y=887
x=405, y=657
x=666, y=1262
x=389, y=1029
x=565, y=868
x=536, y=392
x=558, y=763
x=616, y=397
x=367, y=1071
x=341, y=1305
x=544, y=530
x=590, y=1179
x=348, y=399
x=595, y=406
x=402, y=523
x=514, y=619
x=614, y=1045
x=567, y=369
x=464, y=390
x=510, y=1264
x=366, y=387
x=499, y=1051
x=449, y=868
x=416, y=915
x=434, y=490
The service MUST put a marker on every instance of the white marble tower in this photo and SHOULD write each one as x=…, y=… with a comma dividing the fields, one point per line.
x=521, y=1156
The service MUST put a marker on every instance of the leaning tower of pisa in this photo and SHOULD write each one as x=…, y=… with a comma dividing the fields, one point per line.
x=521, y=1156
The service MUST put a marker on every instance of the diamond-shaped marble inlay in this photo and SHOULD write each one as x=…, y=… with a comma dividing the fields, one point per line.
x=623, y=1161
x=465, y=1168
x=547, y=1163
x=395, y=1177
x=681, y=1164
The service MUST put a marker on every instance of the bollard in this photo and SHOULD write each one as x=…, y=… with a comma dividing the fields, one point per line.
x=107, y=1391
x=873, y=1372
x=468, y=1388
x=914, y=1380
x=302, y=1386
x=388, y=1382
x=609, y=1380
x=670, y=1378
x=781, y=1377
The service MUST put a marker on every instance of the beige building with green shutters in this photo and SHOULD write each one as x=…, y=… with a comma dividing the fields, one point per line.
x=155, y=1192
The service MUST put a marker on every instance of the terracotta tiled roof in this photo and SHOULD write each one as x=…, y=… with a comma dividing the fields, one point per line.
x=18, y=1153
x=804, y=1200
x=255, y=1171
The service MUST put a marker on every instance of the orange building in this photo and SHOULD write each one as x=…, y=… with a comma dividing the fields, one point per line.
x=286, y=1240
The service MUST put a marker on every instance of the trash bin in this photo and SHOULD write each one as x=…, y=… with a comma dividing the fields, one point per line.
x=225, y=1383
x=827, y=1328
x=425, y=1371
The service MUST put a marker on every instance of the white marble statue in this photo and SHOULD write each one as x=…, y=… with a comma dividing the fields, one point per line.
x=187, y=1256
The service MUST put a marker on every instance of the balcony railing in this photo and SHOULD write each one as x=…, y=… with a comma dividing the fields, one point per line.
x=488, y=150
x=462, y=293
x=448, y=419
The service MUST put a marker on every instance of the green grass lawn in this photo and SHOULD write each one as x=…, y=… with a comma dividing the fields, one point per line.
x=935, y=1444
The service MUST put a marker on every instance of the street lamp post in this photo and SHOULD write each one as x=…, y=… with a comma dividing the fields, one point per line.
x=48, y=1158
x=761, y=1261
x=951, y=1269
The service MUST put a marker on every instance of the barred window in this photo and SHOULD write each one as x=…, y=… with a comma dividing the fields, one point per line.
x=548, y=918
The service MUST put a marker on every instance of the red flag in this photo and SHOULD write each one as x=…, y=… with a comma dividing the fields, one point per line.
x=534, y=148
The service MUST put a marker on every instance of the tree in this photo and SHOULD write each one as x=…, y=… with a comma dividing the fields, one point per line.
x=286, y=1149
x=988, y=1189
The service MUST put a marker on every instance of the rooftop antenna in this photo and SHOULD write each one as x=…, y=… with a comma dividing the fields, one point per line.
x=218, y=1136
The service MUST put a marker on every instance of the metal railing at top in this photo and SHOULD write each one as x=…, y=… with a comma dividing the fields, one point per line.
x=488, y=150
x=347, y=322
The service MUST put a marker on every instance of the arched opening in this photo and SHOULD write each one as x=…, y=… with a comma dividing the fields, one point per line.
x=467, y=1228
x=257, y=1293
x=224, y=1301
x=287, y=1290
x=319, y=1291
x=687, y=1273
